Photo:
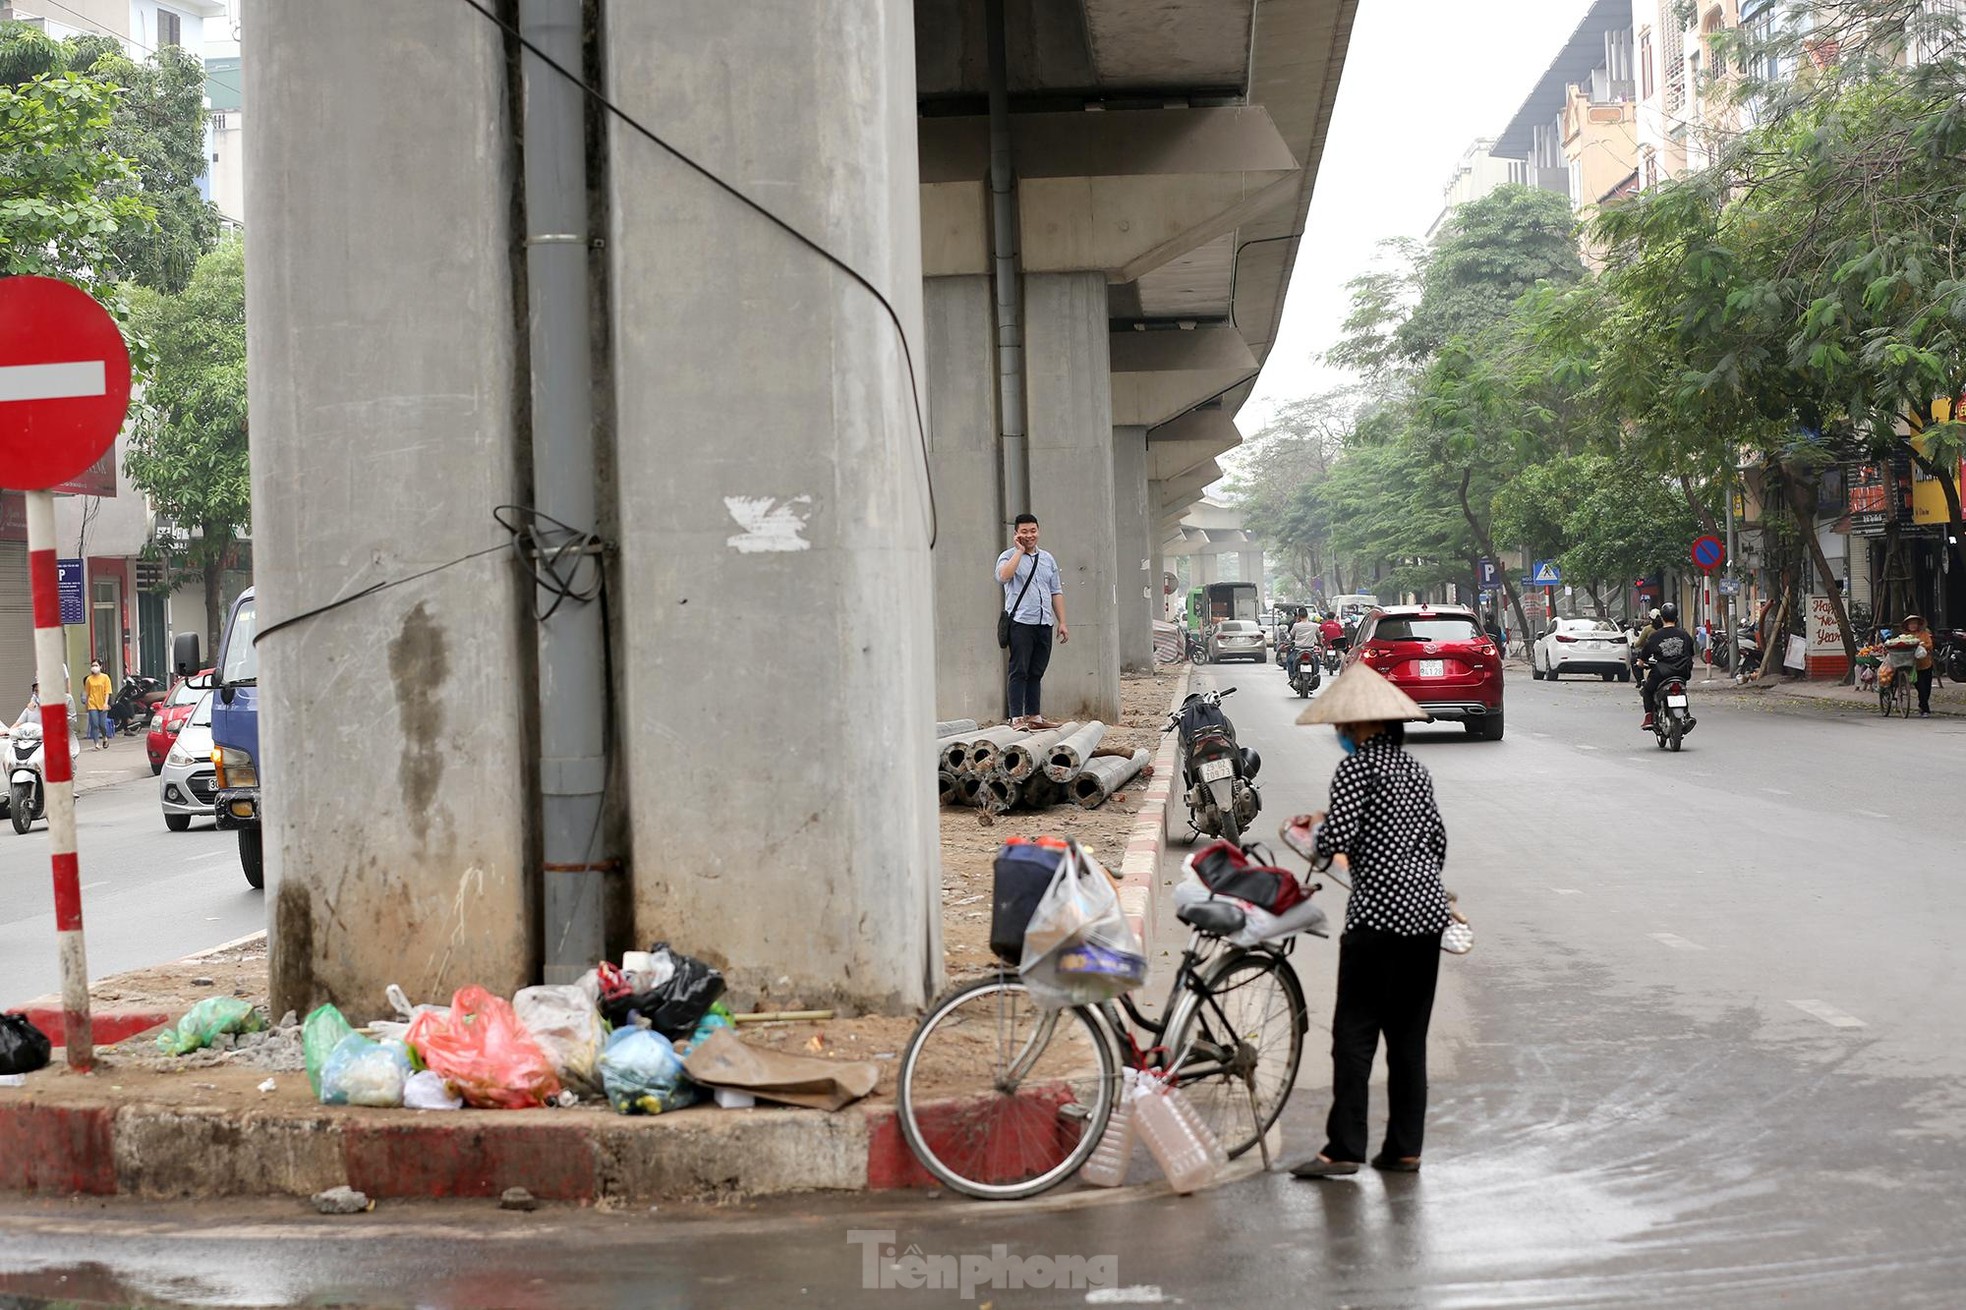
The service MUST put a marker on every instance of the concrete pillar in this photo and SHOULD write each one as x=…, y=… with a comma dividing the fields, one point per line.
x=1205, y=568
x=1070, y=399
x=1134, y=549
x=776, y=603
x=1249, y=567
x=385, y=385
x=963, y=456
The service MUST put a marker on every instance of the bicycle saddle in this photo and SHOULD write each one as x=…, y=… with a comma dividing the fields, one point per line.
x=1216, y=918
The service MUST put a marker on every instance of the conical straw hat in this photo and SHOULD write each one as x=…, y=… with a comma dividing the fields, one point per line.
x=1361, y=695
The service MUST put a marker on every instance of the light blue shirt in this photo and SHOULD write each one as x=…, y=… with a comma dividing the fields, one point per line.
x=1037, y=602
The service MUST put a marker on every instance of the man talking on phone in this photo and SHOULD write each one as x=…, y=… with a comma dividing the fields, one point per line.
x=1033, y=597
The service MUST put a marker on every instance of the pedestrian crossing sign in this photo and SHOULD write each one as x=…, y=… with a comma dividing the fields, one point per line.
x=1546, y=574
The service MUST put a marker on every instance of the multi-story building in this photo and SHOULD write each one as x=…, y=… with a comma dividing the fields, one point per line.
x=1575, y=133
x=1478, y=173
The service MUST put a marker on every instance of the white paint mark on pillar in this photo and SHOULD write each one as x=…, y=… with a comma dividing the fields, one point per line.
x=1676, y=942
x=769, y=523
x=1829, y=1014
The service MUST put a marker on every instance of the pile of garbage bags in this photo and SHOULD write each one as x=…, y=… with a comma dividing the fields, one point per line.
x=626, y=1033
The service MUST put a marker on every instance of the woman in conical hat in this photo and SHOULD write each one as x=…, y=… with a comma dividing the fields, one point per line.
x=1385, y=824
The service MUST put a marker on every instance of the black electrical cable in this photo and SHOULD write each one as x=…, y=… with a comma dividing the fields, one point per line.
x=545, y=560
x=894, y=316
x=351, y=598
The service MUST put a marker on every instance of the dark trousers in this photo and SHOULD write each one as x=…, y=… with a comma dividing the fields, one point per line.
x=1385, y=987
x=1030, y=655
x=1655, y=679
x=1925, y=691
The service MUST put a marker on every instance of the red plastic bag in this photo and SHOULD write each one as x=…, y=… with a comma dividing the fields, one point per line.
x=485, y=1052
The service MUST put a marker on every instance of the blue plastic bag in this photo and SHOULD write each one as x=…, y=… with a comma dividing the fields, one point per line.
x=643, y=1075
x=361, y=1072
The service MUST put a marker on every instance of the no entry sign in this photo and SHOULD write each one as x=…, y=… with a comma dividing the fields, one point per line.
x=64, y=382
x=1707, y=553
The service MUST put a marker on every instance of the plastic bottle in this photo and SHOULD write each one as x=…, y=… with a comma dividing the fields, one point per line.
x=1179, y=1141
x=1108, y=1163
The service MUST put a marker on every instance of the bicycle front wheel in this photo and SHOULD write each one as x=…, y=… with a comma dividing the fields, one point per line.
x=1237, y=1041
x=1001, y=1099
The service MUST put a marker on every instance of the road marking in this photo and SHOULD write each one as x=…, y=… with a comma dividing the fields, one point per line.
x=1567, y=891
x=1676, y=942
x=53, y=381
x=87, y=885
x=1829, y=1014
x=1873, y=814
x=1777, y=791
x=1582, y=747
x=1540, y=736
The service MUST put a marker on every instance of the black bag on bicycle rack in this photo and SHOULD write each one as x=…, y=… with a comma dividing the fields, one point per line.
x=1225, y=870
x=1023, y=870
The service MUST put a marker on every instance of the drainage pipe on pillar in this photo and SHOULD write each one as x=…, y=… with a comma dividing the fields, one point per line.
x=1009, y=304
x=572, y=692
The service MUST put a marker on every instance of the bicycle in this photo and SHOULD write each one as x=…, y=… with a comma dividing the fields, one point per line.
x=1001, y=1099
x=1895, y=692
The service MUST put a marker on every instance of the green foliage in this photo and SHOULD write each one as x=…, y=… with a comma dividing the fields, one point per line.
x=188, y=448
x=65, y=198
x=27, y=52
x=1494, y=251
x=159, y=125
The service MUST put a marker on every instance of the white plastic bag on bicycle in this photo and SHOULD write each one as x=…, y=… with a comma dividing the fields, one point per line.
x=1078, y=948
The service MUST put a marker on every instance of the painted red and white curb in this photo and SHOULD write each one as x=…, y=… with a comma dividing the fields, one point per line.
x=1140, y=867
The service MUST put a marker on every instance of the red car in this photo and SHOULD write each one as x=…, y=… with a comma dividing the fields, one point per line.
x=171, y=716
x=1438, y=655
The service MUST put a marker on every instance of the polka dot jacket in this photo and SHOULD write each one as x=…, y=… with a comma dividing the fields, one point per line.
x=1383, y=819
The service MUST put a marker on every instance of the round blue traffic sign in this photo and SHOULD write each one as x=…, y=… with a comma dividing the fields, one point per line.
x=1708, y=552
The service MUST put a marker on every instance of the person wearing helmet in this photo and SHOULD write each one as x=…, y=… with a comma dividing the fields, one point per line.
x=1667, y=653
x=1384, y=822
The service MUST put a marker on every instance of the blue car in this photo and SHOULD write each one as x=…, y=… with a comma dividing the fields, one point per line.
x=235, y=734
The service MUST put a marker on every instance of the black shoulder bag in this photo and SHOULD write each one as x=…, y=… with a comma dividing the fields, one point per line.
x=1003, y=619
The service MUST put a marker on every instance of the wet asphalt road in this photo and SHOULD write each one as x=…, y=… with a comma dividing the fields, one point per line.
x=1708, y=1052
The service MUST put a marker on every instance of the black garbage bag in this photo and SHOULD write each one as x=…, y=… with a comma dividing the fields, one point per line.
x=23, y=1047
x=675, y=1007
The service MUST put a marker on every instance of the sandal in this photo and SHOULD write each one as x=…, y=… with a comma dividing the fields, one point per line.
x=1396, y=1164
x=1319, y=1167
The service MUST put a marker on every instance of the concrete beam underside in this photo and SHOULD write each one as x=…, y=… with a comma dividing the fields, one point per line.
x=384, y=432
x=770, y=471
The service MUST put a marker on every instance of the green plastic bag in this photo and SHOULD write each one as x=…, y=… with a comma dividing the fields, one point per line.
x=319, y=1036
x=206, y=1020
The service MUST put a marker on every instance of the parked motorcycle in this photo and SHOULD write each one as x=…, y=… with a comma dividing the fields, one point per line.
x=134, y=706
x=1217, y=773
x=1747, y=651
x=1305, y=675
x=27, y=792
x=1951, y=655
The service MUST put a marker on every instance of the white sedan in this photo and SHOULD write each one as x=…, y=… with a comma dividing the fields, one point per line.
x=187, y=785
x=1582, y=646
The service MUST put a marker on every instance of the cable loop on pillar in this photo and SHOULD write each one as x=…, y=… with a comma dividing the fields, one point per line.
x=554, y=557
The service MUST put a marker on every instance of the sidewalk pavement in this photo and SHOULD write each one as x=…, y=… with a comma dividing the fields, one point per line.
x=124, y=761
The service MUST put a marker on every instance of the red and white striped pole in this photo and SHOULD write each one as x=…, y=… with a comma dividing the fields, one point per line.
x=59, y=779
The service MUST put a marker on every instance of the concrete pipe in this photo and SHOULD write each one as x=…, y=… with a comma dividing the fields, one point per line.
x=970, y=788
x=1038, y=792
x=1022, y=759
x=1103, y=776
x=950, y=787
x=998, y=795
x=1064, y=760
x=985, y=747
x=951, y=751
x=954, y=727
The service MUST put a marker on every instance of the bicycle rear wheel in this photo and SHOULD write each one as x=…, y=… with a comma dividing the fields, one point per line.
x=1901, y=689
x=1000, y=1099
x=1244, y=1028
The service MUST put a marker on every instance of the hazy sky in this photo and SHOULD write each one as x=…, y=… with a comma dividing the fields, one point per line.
x=1422, y=80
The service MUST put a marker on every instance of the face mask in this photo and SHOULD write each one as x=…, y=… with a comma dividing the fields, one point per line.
x=1346, y=744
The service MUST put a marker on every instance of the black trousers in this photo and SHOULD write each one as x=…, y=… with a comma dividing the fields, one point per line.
x=1030, y=655
x=1925, y=691
x=1655, y=679
x=1385, y=987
